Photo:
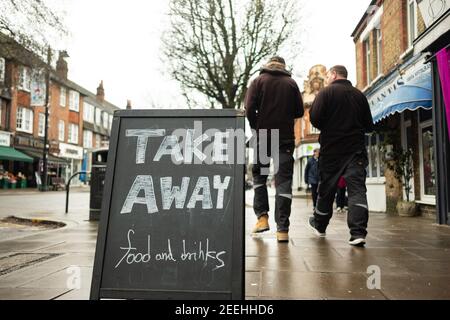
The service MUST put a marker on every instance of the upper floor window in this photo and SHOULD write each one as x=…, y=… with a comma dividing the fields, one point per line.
x=24, y=120
x=24, y=78
x=88, y=112
x=98, y=116
x=2, y=69
x=87, y=139
x=110, y=121
x=314, y=130
x=105, y=120
x=61, y=130
x=368, y=59
x=73, y=133
x=62, y=97
x=412, y=22
x=379, y=44
x=74, y=101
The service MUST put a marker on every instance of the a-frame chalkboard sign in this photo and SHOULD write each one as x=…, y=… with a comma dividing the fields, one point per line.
x=172, y=219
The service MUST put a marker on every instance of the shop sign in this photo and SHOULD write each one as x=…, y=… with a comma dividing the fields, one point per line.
x=432, y=10
x=5, y=139
x=70, y=151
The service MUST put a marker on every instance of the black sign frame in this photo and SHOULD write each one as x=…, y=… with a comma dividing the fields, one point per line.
x=237, y=286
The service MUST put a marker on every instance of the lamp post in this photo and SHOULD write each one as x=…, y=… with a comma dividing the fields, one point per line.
x=44, y=186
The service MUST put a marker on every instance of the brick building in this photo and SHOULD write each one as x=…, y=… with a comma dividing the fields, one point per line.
x=397, y=83
x=78, y=119
x=306, y=136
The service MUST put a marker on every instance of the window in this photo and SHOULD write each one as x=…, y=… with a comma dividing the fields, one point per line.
x=98, y=141
x=87, y=139
x=376, y=156
x=2, y=69
x=110, y=121
x=88, y=112
x=98, y=116
x=314, y=130
x=368, y=60
x=412, y=22
x=41, y=131
x=427, y=162
x=105, y=120
x=379, y=43
x=24, y=78
x=24, y=120
x=73, y=133
x=61, y=131
x=74, y=101
x=62, y=97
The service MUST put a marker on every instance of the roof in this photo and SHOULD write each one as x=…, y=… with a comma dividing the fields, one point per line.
x=363, y=19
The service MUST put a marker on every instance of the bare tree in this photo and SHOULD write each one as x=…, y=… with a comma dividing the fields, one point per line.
x=31, y=24
x=213, y=47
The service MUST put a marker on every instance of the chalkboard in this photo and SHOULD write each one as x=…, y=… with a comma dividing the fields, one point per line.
x=172, y=217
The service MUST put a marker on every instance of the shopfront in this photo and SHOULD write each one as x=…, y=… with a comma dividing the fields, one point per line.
x=435, y=42
x=302, y=154
x=74, y=155
x=401, y=107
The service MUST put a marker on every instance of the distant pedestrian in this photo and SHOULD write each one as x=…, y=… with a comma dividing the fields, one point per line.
x=273, y=102
x=312, y=175
x=341, y=202
x=342, y=114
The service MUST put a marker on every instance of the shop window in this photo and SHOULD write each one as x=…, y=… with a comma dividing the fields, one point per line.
x=425, y=115
x=427, y=162
x=2, y=69
x=375, y=155
x=62, y=97
x=24, y=120
x=41, y=131
x=61, y=130
x=24, y=79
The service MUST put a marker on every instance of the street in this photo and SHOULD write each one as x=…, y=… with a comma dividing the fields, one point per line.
x=412, y=255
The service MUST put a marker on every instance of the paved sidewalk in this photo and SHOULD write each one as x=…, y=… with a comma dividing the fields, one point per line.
x=412, y=254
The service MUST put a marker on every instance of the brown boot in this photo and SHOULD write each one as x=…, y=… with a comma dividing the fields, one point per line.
x=283, y=236
x=262, y=225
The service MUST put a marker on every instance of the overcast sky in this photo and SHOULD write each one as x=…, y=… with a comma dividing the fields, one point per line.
x=119, y=42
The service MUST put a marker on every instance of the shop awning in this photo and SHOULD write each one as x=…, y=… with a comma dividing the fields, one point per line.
x=38, y=155
x=412, y=96
x=8, y=153
x=410, y=91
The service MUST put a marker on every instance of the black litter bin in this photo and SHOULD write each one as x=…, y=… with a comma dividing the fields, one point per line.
x=98, y=174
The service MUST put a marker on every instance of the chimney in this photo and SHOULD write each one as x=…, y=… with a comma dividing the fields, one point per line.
x=61, y=65
x=101, y=92
x=129, y=107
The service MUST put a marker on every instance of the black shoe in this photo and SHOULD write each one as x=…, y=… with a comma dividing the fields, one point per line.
x=357, y=241
x=312, y=225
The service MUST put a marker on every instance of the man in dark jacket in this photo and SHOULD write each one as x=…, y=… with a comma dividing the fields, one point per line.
x=272, y=103
x=312, y=175
x=342, y=113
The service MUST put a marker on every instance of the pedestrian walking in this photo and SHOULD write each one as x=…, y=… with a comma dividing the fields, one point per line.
x=273, y=102
x=312, y=175
x=341, y=201
x=342, y=113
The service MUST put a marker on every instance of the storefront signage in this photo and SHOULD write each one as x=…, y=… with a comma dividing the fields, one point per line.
x=70, y=151
x=5, y=139
x=432, y=10
x=28, y=142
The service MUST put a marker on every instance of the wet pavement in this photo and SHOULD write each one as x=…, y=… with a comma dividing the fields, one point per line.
x=411, y=254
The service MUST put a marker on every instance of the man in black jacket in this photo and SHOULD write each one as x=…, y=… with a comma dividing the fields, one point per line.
x=342, y=113
x=273, y=102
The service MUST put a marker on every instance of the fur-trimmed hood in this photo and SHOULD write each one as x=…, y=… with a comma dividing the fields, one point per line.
x=274, y=67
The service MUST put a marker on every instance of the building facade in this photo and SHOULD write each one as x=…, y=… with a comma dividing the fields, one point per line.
x=71, y=110
x=398, y=84
x=306, y=136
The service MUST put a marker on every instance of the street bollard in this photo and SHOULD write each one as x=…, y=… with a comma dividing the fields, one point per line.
x=68, y=187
